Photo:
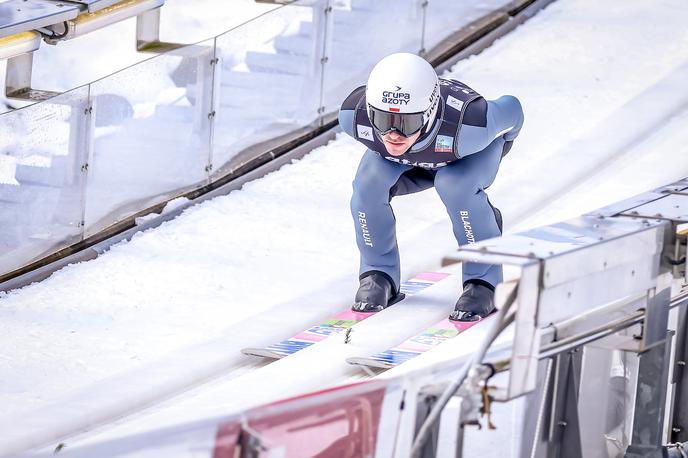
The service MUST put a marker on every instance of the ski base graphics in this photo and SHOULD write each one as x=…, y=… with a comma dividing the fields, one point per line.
x=339, y=322
x=416, y=345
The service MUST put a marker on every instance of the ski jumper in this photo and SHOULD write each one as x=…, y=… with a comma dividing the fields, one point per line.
x=459, y=155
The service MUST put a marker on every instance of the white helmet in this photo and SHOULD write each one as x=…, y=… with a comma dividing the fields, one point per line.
x=403, y=94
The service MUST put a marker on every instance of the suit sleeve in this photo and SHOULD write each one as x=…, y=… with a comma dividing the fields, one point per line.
x=346, y=121
x=347, y=110
x=504, y=118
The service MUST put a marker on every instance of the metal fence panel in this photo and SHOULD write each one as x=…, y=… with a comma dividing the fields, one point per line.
x=152, y=134
x=269, y=74
x=362, y=35
x=42, y=152
x=443, y=17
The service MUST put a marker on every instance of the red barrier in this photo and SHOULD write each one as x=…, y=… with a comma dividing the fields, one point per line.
x=226, y=440
x=336, y=423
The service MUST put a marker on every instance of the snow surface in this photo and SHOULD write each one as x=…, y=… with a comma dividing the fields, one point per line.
x=581, y=70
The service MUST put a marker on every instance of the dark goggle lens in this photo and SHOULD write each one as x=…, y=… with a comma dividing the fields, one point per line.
x=405, y=124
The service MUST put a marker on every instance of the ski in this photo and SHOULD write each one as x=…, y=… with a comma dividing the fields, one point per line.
x=420, y=343
x=340, y=322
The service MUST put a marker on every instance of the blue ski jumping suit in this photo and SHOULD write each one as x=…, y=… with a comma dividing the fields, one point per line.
x=459, y=155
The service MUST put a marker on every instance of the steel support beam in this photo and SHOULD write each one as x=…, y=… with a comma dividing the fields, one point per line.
x=653, y=371
x=148, y=33
x=535, y=433
x=650, y=402
x=18, y=80
x=679, y=425
x=564, y=428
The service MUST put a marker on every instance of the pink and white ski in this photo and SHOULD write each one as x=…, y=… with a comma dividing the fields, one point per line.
x=339, y=322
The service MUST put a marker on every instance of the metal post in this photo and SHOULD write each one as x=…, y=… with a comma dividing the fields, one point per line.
x=651, y=394
x=147, y=28
x=18, y=75
x=459, y=439
x=653, y=369
x=425, y=403
x=536, y=414
x=18, y=80
x=148, y=33
x=451, y=431
x=323, y=24
x=679, y=424
x=524, y=361
x=207, y=68
x=216, y=78
x=81, y=128
x=564, y=427
x=424, y=16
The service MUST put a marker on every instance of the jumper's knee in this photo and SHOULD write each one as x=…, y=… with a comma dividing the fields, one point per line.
x=368, y=191
x=457, y=184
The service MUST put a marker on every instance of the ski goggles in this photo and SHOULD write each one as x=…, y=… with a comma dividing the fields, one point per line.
x=405, y=124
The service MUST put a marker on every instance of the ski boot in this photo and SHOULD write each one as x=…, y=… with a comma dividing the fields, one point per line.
x=376, y=292
x=476, y=302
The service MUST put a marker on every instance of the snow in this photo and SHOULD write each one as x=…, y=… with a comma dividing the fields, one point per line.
x=287, y=239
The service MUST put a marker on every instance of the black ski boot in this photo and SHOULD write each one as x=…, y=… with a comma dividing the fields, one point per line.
x=476, y=302
x=375, y=293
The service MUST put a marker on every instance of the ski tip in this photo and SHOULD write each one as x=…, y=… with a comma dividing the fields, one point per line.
x=262, y=352
x=368, y=362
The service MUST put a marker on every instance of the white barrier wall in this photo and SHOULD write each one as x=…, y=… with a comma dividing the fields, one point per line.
x=87, y=159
